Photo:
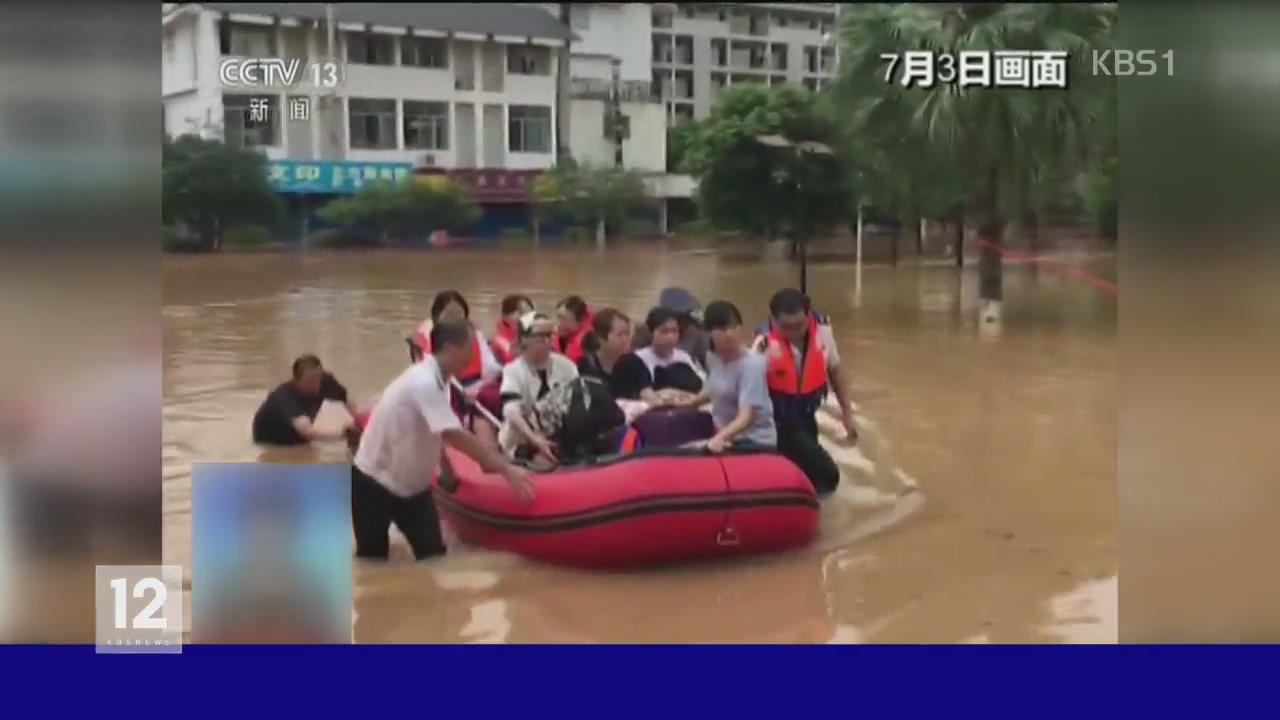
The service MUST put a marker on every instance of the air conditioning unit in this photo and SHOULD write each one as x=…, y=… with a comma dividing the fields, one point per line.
x=427, y=160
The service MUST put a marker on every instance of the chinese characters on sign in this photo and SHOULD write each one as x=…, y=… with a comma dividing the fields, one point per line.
x=979, y=68
x=491, y=186
x=291, y=176
x=299, y=108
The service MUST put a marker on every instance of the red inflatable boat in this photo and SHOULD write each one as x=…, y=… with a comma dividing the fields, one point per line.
x=654, y=506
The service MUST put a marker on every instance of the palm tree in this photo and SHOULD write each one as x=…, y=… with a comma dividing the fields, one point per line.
x=1000, y=139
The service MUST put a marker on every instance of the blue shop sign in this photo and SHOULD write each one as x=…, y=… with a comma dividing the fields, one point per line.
x=330, y=176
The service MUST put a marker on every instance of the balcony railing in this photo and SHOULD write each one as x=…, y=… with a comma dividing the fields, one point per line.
x=597, y=89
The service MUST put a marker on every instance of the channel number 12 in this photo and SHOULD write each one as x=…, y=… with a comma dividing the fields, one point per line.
x=146, y=619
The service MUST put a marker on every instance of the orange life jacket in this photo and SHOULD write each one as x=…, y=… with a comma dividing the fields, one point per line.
x=474, y=369
x=797, y=392
x=573, y=348
x=504, y=342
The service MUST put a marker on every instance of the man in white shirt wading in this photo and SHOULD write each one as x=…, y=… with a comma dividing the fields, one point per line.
x=401, y=449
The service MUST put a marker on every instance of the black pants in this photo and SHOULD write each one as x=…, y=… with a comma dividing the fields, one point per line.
x=374, y=508
x=799, y=443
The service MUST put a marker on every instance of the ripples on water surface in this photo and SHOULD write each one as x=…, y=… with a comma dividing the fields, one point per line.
x=1010, y=536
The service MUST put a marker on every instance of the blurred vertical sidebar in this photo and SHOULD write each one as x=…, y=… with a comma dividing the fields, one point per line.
x=1199, y=307
x=80, y=371
x=271, y=554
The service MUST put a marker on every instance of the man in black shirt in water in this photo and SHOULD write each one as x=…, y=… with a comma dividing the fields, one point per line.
x=286, y=417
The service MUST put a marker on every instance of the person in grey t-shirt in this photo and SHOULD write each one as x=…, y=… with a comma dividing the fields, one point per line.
x=735, y=386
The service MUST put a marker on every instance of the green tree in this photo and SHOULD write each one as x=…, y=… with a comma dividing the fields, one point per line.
x=1000, y=140
x=679, y=139
x=209, y=187
x=586, y=195
x=765, y=165
x=407, y=207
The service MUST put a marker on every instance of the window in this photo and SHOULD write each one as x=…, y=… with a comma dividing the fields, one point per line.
x=170, y=47
x=782, y=20
x=370, y=49
x=529, y=128
x=426, y=125
x=720, y=52
x=661, y=48
x=684, y=86
x=684, y=49
x=373, y=123
x=779, y=57
x=528, y=60
x=687, y=11
x=250, y=120
x=811, y=59
x=246, y=40
x=424, y=52
x=580, y=16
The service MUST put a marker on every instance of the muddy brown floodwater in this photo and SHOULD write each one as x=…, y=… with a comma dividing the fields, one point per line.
x=1010, y=536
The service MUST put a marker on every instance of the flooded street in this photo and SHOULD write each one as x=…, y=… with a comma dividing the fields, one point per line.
x=1011, y=441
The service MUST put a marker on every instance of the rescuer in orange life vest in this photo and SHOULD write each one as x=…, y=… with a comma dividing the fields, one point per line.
x=803, y=364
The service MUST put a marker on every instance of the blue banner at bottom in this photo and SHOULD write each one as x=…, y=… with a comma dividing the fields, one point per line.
x=747, y=681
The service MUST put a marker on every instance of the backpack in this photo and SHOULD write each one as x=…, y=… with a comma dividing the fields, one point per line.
x=590, y=414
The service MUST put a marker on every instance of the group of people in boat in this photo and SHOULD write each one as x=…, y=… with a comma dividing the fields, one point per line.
x=545, y=390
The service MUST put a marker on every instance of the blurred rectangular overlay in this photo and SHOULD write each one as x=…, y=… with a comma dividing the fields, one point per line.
x=271, y=554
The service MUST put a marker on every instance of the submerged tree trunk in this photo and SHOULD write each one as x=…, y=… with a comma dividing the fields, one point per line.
x=537, y=232
x=804, y=265
x=960, y=230
x=894, y=243
x=600, y=234
x=919, y=237
x=990, y=231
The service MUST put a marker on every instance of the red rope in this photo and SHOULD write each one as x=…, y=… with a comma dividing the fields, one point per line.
x=1052, y=266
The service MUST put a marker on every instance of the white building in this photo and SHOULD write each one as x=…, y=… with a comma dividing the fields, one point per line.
x=704, y=47
x=612, y=38
x=447, y=85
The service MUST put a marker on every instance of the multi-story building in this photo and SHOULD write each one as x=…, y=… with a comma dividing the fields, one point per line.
x=489, y=93
x=609, y=72
x=448, y=85
x=705, y=47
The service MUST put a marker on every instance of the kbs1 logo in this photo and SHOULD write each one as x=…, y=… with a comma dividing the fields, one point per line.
x=1127, y=63
x=266, y=73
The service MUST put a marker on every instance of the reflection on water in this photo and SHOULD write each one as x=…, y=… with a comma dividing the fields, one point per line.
x=979, y=505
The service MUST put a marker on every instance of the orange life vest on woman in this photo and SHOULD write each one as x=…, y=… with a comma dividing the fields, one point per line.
x=504, y=343
x=474, y=369
x=573, y=348
x=797, y=392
